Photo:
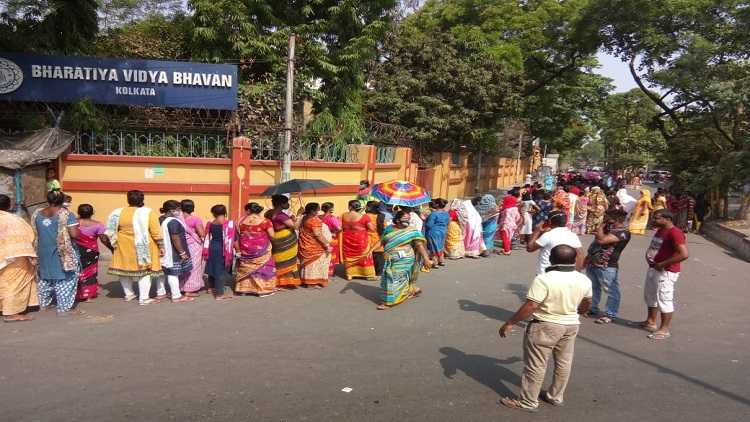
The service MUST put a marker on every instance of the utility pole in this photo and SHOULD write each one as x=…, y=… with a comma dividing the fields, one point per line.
x=286, y=151
x=518, y=161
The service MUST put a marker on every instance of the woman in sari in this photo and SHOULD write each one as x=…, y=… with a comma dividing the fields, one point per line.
x=454, y=236
x=314, y=250
x=401, y=265
x=192, y=281
x=510, y=219
x=17, y=265
x=355, y=243
x=597, y=207
x=561, y=201
x=256, y=272
x=284, y=243
x=218, y=251
x=334, y=226
x=471, y=222
x=487, y=209
x=580, y=214
x=90, y=232
x=378, y=220
x=639, y=219
x=436, y=227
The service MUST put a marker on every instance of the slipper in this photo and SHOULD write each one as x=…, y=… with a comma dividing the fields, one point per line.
x=130, y=298
x=516, y=404
x=148, y=302
x=161, y=297
x=659, y=336
x=603, y=320
x=545, y=398
x=224, y=297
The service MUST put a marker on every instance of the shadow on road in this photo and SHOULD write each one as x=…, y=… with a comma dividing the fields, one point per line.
x=501, y=314
x=367, y=291
x=488, y=311
x=519, y=290
x=484, y=369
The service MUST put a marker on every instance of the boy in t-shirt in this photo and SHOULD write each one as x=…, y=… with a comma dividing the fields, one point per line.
x=663, y=256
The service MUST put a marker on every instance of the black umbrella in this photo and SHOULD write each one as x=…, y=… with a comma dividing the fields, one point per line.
x=297, y=186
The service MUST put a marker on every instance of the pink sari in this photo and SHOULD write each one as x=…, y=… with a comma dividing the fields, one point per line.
x=88, y=249
x=334, y=225
x=193, y=281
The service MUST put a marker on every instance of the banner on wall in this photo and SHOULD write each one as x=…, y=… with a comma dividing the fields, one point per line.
x=158, y=83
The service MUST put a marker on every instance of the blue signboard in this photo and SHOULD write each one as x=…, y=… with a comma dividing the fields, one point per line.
x=65, y=79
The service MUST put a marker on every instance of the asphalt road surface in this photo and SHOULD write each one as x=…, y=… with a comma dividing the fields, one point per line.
x=435, y=358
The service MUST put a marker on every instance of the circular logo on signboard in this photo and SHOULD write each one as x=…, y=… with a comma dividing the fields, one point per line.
x=11, y=76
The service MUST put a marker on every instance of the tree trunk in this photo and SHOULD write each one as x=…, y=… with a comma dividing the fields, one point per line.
x=744, y=211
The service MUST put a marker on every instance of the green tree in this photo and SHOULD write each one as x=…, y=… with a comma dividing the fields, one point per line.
x=626, y=130
x=541, y=47
x=335, y=41
x=694, y=52
x=49, y=26
x=444, y=93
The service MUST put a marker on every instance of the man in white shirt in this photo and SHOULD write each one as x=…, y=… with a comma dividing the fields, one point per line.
x=543, y=239
x=554, y=301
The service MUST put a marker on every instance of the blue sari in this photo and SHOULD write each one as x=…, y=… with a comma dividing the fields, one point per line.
x=436, y=227
x=401, y=266
x=489, y=228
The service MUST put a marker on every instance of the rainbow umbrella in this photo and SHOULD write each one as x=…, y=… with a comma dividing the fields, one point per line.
x=399, y=192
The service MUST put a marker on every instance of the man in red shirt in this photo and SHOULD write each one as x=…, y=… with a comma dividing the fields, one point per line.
x=663, y=256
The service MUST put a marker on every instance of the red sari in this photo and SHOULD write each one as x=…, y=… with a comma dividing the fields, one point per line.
x=357, y=249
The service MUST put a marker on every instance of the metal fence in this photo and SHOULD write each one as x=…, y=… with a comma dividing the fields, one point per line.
x=270, y=148
x=385, y=155
x=151, y=144
x=194, y=145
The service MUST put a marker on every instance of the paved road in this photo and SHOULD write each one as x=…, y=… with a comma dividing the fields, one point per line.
x=287, y=358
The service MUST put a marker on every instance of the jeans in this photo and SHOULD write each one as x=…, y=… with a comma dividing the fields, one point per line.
x=604, y=281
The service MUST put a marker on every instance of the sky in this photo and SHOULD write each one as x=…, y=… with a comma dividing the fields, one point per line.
x=617, y=70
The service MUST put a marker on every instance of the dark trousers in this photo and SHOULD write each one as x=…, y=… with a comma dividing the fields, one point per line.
x=379, y=259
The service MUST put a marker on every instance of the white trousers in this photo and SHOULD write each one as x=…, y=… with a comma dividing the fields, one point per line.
x=144, y=287
x=174, y=286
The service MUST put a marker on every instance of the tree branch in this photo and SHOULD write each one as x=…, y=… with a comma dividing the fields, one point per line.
x=559, y=72
x=658, y=101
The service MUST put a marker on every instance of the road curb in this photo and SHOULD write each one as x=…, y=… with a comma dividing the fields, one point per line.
x=736, y=241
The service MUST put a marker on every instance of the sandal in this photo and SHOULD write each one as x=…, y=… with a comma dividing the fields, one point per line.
x=130, y=298
x=161, y=297
x=149, y=302
x=383, y=307
x=603, y=320
x=516, y=404
x=659, y=336
x=224, y=297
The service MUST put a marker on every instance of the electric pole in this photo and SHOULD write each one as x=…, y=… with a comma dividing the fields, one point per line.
x=286, y=151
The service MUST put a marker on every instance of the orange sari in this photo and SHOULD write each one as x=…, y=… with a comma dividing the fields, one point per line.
x=357, y=249
x=314, y=258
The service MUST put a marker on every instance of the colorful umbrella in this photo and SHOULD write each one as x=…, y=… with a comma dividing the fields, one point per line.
x=399, y=192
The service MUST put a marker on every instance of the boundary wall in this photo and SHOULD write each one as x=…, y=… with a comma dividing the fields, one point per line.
x=102, y=180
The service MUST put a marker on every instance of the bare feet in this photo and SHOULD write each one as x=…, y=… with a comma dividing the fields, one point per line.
x=18, y=318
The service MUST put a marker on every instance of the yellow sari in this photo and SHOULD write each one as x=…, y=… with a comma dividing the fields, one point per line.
x=17, y=273
x=639, y=219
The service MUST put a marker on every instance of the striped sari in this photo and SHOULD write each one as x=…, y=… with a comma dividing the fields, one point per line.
x=401, y=265
x=284, y=248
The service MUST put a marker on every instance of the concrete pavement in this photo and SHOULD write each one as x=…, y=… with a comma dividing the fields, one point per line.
x=436, y=358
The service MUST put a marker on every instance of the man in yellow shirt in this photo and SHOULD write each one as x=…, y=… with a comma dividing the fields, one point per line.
x=554, y=301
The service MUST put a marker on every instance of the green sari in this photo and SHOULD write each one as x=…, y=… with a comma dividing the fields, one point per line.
x=401, y=265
